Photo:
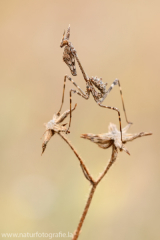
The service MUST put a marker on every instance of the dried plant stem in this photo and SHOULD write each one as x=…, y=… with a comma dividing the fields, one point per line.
x=76, y=234
x=112, y=160
x=84, y=169
x=94, y=185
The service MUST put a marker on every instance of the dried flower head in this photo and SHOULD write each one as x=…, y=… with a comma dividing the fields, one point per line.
x=54, y=126
x=113, y=137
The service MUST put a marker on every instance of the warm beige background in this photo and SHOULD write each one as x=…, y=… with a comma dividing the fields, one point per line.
x=47, y=194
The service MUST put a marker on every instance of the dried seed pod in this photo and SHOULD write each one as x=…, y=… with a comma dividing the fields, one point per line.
x=113, y=137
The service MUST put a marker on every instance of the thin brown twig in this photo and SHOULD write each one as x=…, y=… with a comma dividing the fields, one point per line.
x=77, y=232
x=112, y=160
x=84, y=169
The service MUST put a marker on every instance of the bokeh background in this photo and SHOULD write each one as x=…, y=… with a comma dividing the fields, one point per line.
x=114, y=39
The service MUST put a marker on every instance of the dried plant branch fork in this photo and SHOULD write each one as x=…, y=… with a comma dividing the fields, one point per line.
x=92, y=84
x=55, y=126
x=92, y=191
x=105, y=140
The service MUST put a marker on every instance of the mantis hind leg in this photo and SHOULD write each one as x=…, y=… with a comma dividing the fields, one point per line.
x=85, y=96
x=119, y=116
x=116, y=82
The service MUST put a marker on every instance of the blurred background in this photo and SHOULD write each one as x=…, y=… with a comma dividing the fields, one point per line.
x=114, y=39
